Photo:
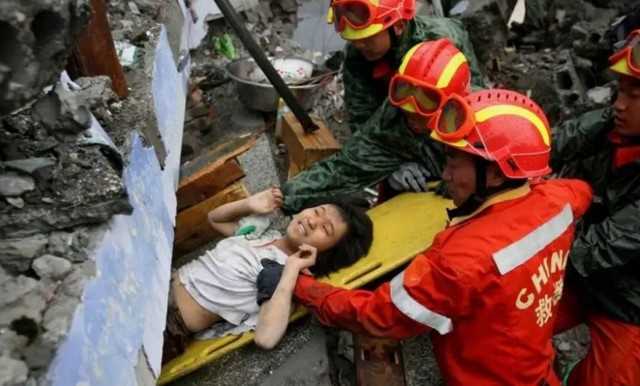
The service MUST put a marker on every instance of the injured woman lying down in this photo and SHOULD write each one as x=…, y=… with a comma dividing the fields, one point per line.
x=221, y=285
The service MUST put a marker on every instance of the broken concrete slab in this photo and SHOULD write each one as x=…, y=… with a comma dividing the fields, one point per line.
x=14, y=184
x=483, y=16
x=259, y=160
x=10, y=342
x=52, y=267
x=23, y=304
x=36, y=37
x=71, y=181
x=28, y=165
x=58, y=316
x=96, y=90
x=16, y=254
x=74, y=246
x=16, y=202
x=63, y=110
x=86, y=189
x=80, y=274
x=15, y=288
x=13, y=372
x=39, y=353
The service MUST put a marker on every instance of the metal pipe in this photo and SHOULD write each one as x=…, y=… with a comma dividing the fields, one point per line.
x=255, y=50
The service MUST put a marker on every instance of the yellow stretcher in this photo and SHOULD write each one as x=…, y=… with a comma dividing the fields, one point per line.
x=403, y=227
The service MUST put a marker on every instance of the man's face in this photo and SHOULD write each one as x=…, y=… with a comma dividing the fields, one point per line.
x=416, y=122
x=627, y=107
x=460, y=175
x=374, y=47
x=321, y=227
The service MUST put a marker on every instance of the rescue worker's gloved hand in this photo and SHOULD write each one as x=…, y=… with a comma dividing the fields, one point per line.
x=268, y=279
x=410, y=177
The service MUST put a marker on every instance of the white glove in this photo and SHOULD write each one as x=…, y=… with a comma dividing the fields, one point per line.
x=410, y=177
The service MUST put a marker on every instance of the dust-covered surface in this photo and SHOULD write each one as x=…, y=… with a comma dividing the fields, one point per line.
x=215, y=112
x=251, y=366
x=558, y=56
x=63, y=150
x=60, y=181
x=35, y=40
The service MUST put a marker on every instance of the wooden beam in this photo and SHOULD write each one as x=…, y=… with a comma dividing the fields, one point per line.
x=218, y=177
x=213, y=158
x=192, y=226
x=95, y=53
x=306, y=149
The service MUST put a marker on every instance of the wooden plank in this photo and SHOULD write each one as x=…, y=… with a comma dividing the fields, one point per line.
x=214, y=158
x=216, y=179
x=95, y=53
x=305, y=149
x=192, y=227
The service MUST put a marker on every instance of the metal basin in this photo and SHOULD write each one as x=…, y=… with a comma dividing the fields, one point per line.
x=261, y=96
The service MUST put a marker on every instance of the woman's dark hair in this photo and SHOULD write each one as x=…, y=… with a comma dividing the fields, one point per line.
x=353, y=245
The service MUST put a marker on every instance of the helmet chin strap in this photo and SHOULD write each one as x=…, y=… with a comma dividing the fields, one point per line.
x=478, y=197
x=482, y=192
x=395, y=41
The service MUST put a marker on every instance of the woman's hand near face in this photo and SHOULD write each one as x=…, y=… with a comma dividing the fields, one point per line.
x=304, y=258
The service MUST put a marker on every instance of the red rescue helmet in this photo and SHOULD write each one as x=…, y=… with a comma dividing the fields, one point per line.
x=360, y=19
x=500, y=126
x=429, y=73
x=627, y=60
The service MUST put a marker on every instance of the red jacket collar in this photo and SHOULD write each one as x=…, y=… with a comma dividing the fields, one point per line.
x=625, y=150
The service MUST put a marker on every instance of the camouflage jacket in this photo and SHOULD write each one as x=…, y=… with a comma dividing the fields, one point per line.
x=363, y=95
x=605, y=257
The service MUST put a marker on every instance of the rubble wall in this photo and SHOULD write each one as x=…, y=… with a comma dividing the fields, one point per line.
x=35, y=42
x=86, y=225
x=123, y=309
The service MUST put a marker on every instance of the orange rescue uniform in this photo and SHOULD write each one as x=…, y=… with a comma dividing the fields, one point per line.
x=489, y=286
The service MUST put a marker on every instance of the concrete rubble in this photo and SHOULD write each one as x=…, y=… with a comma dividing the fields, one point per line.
x=558, y=55
x=60, y=180
x=35, y=38
x=289, y=28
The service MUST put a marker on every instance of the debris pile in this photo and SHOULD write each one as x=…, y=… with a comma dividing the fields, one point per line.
x=35, y=37
x=59, y=180
x=130, y=20
x=275, y=26
x=273, y=23
x=62, y=153
x=558, y=55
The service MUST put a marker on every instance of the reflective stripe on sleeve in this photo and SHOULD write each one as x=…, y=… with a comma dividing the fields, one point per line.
x=516, y=254
x=416, y=311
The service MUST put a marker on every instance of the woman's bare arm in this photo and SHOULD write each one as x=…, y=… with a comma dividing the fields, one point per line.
x=274, y=314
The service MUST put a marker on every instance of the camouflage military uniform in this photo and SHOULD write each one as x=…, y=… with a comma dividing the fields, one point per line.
x=381, y=142
x=368, y=157
x=363, y=95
